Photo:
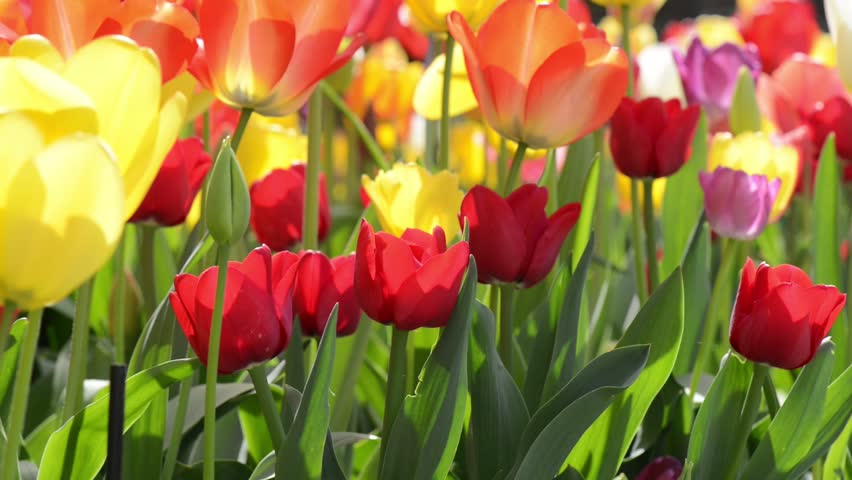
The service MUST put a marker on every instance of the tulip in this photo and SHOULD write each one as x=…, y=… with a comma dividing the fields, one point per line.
x=516, y=224
x=662, y=468
x=839, y=16
x=408, y=196
x=737, y=204
x=780, y=317
x=756, y=154
x=258, y=311
x=633, y=4
x=176, y=185
x=273, y=81
x=530, y=63
x=624, y=185
x=62, y=198
x=320, y=284
x=380, y=19
x=658, y=74
x=793, y=20
x=833, y=116
x=430, y=15
x=652, y=139
x=430, y=88
x=410, y=282
x=713, y=31
x=277, y=207
x=642, y=33
x=710, y=77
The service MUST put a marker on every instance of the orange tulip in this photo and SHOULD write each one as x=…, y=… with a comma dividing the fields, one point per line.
x=538, y=78
x=269, y=55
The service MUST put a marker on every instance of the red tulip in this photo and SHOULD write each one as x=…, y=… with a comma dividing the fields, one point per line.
x=512, y=239
x=320, y=284
x=180, y=178
x=380, y=19
x=833, y=116
x=529, y=64
x=780, y=316
x=662, y=468
x=579, y=11
x=410, y=282
x=780, y=29
x=276, y=207
x=652, y=139
x=258, y=312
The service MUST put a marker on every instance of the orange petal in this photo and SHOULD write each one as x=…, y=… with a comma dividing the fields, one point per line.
x=460, y=30
x=68, y=24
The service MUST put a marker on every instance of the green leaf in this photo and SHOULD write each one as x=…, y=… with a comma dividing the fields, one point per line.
x=683, y=201
x=255, y=432
x=426, y=433
x=498, y=413
x=225, y=469
x=265, y=469
x=745, y=113
x=696, y=294
x=10, y=356
x=583, y=229
x=301, y=455
x=554, y=429
x=577, y=164
x=797, y=424
x=78, y=449
x=712, y=436
x=659, y=324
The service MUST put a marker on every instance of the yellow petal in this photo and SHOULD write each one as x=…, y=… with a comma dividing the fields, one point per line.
x=430, y=89
x=270, y=143
x=38, y=48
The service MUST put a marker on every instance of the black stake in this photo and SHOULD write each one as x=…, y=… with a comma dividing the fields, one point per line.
x=117, y=376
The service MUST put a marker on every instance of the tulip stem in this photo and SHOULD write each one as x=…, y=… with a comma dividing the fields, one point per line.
x=507, y=308
x=514, y=169
x=177, y=428
x=395, y=393
x=650, y=237
x=771, y=397
x=118, y=312
x=444, y=162
x=310, y=220
x=719, y=303
x=79, y=351
x=373, y=148
x=20, y=396
x=147, y=280
x=5, y=326
x=636, y=228
x=746, y=420
x=267, y=405
x=242, y=123
x=502, y=162
x=213, y=366
x=625, y=44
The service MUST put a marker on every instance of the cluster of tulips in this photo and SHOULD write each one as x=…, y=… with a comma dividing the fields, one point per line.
x=564, y=228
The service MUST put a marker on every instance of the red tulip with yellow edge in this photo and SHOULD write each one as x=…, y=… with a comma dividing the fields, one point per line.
x=538, y=78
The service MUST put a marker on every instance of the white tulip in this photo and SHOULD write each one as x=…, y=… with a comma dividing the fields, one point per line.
x=658, y=74
x=839, y=16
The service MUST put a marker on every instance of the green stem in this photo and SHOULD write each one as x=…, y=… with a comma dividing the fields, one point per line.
x=395, y=393
x=625, y=44
x=716, y=309
x=118, y=313
x=636, y=229
x=651, y=236
x=147, y=280
x=267, y=406
x=373, y=148
x=507, y=307
x=444, y=162
x=771, y=397
x=310, y=219
x=242, y=123
x=746, y=420
x=502, y=163
x=353, y=168
x=329, y=122
x=5, y=326
x=79, y=351
x=346, y=391
x=177, y=428
x=20, y=396
x=515, y=169
x=213, y=366
x=205, y=130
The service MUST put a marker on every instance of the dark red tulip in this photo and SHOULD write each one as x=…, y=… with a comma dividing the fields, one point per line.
x=662, y=468
x=277, y=202
x=410, y=282
x=794, y=21
x=512, y=239
x=780, y=316
x=258, y=312
x=833, y=116
x=320, y=284
x=177, y=183
x=652, y=138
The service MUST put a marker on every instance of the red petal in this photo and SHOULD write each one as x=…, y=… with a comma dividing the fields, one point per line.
x=368, y=285
x=257, y=268
x=183, y=304
x=548, y=246
x=314, y=277
x=674, y=142
x=276, y=208
x=496, y=238
x=745, y=292
x=528, y=205
x=349, y=313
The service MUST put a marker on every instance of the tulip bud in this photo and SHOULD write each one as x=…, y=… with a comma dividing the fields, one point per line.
x=228, y=205
x=745, y=113
x=738, y=204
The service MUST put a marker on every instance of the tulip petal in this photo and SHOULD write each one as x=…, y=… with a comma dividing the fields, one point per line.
x=257, y=268
x=528, y=204
x=460, y=30
x=315, y=276
x=745, y=291
x=40, y=49
x=496, y=238
x=183, y=304
x=343, y=293
x=69, y=24
x=674, y=143
x=559, y=225
x=427, y=298
x=430, y=88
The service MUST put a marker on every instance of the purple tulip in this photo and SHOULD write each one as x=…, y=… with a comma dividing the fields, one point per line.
x=738, y=204
x=710, y=76
x=663, y=468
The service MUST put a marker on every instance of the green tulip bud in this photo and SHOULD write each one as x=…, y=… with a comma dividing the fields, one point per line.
x=228, y=205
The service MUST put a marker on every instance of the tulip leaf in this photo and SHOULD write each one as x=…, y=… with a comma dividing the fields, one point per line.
x=711, y=441
x=10, y=356
x=683, y=201
x=498, y=412
x=660, y=324
x=745, y=112
x=223, y=469
x=301, y=456
x=580, y=156
x=696, y=294
x=583, y=229
x=558, y=424
x=563, y=360
x=797, y=424
x=426, y=433
x=77, y=450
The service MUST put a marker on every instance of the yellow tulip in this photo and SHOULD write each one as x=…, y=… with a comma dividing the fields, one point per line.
x=468, y=149
x=430, y=16
x=269, y=143
x=622, y=184
x=756, y=154
x=408, y=196
x=430, y=88
x=642, y=36
x=122, y=80
x=61, y=209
